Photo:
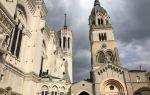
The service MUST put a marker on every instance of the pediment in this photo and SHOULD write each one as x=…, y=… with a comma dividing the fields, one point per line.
x=114, y=67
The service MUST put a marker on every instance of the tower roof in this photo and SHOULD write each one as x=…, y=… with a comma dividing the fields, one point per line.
x=97, y=8
x=96, y=2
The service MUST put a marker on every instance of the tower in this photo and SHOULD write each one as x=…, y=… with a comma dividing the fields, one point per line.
x=102, y=42
x=65, y=43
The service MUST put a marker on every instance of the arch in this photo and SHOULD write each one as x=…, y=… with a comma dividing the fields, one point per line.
x=84, y=93
x=68, y=42
x=44, y=90
x=63, y=88
x=105, y=36
x=16, y=37
x=99, y=21
x=112, y=86
x=60, y=42
x=54, y=90
x=101, y=57
x=102, y=22
x=107, y=22
x=20, y=10
x=142, y=89
x=64, y=42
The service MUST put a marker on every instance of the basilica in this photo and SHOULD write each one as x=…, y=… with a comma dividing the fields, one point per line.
x=35, y=60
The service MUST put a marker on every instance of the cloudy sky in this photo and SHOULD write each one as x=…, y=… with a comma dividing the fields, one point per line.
x=131, y=24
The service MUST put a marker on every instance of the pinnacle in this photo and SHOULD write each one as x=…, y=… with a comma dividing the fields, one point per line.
x=96, y=2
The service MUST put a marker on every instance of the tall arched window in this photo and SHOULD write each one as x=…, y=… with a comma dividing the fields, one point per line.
x=19, y=43
x=101, y=57
x=16, y=36
x=54, y=90
x=99, y=21
x=64, y=42
x=60, y=42
x=102, y=37
x=68, y=42
x=44, y=90
x=107, y=22
x=109, y=56
x=102, y=21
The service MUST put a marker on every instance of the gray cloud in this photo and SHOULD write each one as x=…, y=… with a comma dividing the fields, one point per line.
x=130, y=20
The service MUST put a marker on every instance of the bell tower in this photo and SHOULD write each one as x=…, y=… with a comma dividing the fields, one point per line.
x=102, y=41
x=65, y=43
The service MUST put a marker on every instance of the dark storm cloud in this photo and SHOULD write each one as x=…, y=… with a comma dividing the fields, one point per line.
x=130, y=20
x=137, y=27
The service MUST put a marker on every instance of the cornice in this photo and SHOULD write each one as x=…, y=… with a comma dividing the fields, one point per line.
x=31, y=5
x=14, y=69
x=7, y=13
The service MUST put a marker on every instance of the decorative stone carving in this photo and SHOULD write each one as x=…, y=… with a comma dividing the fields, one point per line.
x=3, y=42
x=1, y=71
x=5, y=22
x=108, y=59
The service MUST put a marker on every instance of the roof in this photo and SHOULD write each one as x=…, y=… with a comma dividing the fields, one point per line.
x=98, y=8
x=137, y=70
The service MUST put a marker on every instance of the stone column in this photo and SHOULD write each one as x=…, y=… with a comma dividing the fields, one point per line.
x=11, y=39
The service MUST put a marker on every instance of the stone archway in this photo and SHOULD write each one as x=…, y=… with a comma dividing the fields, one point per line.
x=142, y=91
x=84, y=93
x=112, y=87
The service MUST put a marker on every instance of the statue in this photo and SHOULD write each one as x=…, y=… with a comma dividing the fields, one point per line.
x=3, y=41
x=108, y=59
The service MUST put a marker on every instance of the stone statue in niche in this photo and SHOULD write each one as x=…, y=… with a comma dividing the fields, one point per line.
x=2, y=37
x=1, y=71
x=3, y=40
x=108, y=59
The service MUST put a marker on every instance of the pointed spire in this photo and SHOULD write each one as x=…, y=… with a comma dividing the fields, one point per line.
x=96, y=2
x=65, y=24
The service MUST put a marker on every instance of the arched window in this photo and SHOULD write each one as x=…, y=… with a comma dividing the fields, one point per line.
x=16, y=35
x=102, y=21
x=60, y=42
x=105, y=36
x=107, y=22
x=84, y=93
x=99, y=21
x=52, y=93
x=101, y=57
x=109, y=56
x=44, y=90
x=19, y=43
x=64, y=42
x=102, y=36
x=55, y=90
x=68, y=42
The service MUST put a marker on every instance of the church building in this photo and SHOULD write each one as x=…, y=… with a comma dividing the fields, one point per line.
x=108, y=76
x=35, y=60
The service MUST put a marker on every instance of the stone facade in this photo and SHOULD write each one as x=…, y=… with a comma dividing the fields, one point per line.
x=108, y=77
x=31, y=60
x=34, y=60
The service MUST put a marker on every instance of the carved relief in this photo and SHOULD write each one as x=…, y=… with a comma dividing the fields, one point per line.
x=5, y=22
